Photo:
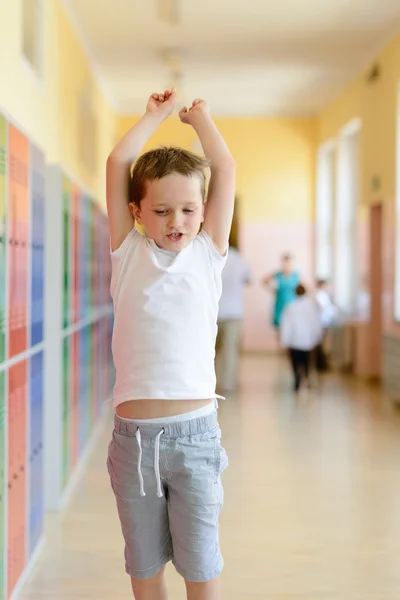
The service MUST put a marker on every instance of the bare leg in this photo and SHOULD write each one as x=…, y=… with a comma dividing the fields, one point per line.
x=150, y=589
x=209, y=590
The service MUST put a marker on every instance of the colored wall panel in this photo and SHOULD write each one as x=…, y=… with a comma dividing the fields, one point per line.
x=67, y=390
x=82, y=252
x=94, y=373
x=2, y=483
x=76, y=251
x=82, y=396
x=67, y=252
x=3, y=236
x=87, y=370
x=17, y=454
x=18, y=237
x=36, y=482
x=37, y=245
x=74, y=419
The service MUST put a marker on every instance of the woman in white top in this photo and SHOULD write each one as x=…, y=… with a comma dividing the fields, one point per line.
x=235, y=276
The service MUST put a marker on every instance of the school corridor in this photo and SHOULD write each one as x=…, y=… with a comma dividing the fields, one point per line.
x=312, y=500
x=307, y=97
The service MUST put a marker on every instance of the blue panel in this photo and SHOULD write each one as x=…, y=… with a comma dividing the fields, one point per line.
x=37, y=254
x=36, y=481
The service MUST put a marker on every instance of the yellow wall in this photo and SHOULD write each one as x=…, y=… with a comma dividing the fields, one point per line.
x=375, y=104
x=274, y=158
x=47, y=111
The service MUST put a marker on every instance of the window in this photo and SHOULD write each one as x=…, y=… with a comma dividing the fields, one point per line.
x=324, y=210
x=347, y=201
x=32, y=34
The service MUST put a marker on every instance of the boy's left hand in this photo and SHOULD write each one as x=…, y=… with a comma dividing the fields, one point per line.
x=199, y=107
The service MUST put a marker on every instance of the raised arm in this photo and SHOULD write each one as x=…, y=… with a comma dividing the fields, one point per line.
x=119, y=163
x=221, y=193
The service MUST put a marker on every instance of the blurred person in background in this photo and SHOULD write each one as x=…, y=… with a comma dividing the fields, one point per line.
x=300, y=332
x=283, y=283
x=235, y=276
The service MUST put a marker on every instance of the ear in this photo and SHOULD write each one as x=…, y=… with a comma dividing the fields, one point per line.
x=136, y=213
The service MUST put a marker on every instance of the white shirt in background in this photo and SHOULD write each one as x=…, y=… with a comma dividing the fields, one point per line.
x=234, y=276
x=301, y=327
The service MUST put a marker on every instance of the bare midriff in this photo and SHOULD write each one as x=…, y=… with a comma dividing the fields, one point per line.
x=155, y=409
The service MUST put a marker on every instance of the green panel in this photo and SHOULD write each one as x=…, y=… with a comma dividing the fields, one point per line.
x=3, y=246
x=66, y=460
x=66, y=250
x=2, y=483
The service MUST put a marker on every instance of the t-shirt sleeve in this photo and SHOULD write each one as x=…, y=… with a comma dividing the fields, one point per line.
x=216, y=258
x=119, y=255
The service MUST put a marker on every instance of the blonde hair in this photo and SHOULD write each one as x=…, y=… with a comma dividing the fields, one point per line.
x=161, y=162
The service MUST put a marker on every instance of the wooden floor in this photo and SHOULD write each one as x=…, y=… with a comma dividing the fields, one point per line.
x=312, y=501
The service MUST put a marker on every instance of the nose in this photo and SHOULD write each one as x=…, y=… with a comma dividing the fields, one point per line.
x=175, y=220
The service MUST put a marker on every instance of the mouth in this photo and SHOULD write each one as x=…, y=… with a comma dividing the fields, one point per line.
x=175, y=237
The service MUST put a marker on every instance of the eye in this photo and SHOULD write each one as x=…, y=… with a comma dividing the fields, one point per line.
x=160, y=212
x=188, y=210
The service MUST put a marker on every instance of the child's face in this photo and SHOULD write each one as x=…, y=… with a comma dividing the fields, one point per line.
x=171, y=211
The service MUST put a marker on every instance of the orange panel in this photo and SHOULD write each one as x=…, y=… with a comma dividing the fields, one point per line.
x=18, y=237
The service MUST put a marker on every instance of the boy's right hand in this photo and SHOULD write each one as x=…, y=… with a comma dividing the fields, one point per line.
x=162, y=105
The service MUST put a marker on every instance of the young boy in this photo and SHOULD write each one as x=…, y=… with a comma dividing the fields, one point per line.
x=301, y=331
x=165, y=457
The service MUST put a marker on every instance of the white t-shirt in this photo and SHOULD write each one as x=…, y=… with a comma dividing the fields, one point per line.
x=301, y=327
x=165, y=319
x=234, y=276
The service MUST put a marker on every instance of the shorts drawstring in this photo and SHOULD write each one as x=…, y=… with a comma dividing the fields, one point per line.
x=156, y=463
x=139, y=466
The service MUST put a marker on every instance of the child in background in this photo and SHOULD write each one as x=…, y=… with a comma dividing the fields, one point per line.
x=301, y=331
x=165, y=457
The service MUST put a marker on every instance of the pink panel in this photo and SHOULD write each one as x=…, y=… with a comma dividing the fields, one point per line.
x=262, y=245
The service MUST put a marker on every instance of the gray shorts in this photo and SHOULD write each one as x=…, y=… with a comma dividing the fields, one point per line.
x=166, y=480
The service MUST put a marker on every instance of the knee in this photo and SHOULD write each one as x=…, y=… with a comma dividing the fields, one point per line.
x=207, y=590
x=149, y=589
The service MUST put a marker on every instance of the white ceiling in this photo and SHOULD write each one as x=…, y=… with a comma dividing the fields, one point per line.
x=246, y=58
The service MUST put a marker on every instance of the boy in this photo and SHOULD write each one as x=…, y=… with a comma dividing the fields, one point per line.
x=165, y=456
x=301, y=331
